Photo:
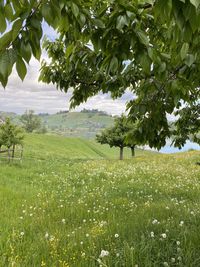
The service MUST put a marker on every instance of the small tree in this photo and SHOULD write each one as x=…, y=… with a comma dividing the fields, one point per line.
x=30, y=121
x=116, y=136
x=10, y=136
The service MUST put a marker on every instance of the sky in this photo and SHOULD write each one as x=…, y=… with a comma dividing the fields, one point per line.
x=42, y=98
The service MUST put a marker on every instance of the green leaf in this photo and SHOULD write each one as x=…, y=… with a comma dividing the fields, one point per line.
x=130, y=14
x=5, y=40
x=21, y=68
x=195, y=21
x=166, y=56
x=26, y=51
x=113, y=64
x=82, y=19
x=195, y=3
x=121, y=22
x=145, y=63
x=36, y=23
x=2, y=23
x=189, y=60
x=162, y=67
x=16, y=28
x=184, y=50
x=142, y=37
x=69, y=50
x=64, y=23
x=4, y=63
x=75, y=9
x=8, y=11
x=99, y=23
x=7, y=59
x=187, y=32
x=47, y=14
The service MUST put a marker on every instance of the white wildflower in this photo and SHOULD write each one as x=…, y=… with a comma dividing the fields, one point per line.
x=155, y=221
x=152, y=234
x=181, y=223
x=164, y=235
x=104, y=253
x=173, y=260
x=46, y=235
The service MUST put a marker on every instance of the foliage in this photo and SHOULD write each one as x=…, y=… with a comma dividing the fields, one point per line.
x=187, y=125
x=30, y=121
x=10, y=134
x=42, y=130
x=116, y=136
x=109, y=46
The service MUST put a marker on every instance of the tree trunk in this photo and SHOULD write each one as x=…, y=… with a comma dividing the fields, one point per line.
x=9, y=154
x=133, y=151
x=21, y=153
x=121, y=153
x=13, y=152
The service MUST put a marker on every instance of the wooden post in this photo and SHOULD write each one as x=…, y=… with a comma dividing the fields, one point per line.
x=121, y=153
x=9, y=155
x=21, y=153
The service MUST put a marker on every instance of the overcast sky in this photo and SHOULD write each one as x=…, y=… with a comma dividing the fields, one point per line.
x=30, y=94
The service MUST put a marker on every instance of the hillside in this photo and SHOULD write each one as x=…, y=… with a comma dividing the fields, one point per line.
x=77, y=124
x=50, y=146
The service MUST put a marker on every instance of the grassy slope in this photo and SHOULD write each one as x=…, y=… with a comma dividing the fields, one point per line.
x=63, y=213
x=42, y=146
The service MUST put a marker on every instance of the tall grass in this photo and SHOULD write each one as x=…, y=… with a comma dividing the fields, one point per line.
x=140, y=212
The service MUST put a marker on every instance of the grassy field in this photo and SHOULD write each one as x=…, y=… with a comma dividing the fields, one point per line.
x=71, y=203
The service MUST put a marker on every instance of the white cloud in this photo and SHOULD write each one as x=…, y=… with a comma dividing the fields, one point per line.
x=30, y=94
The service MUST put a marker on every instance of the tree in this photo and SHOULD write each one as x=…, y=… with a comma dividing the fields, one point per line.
x=10, y=136
x=109, y=46
x=30, y=121
x=116, y=136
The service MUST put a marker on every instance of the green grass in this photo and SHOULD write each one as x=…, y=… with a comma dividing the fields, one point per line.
x=69, y=200
x=52, y=146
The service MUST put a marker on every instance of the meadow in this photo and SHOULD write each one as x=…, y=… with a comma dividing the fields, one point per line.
x=72, y=203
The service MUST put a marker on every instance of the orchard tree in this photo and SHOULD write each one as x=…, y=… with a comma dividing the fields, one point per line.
x=30, y=121
x=10, y=136
x=116, y=136
x=150, y=47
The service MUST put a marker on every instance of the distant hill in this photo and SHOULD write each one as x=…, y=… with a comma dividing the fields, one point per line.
x=86, y=123
x=77, y=124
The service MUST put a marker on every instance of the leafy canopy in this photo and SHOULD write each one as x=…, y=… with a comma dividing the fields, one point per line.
x=10, y=134
x=150, y=47
x=116, y=136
